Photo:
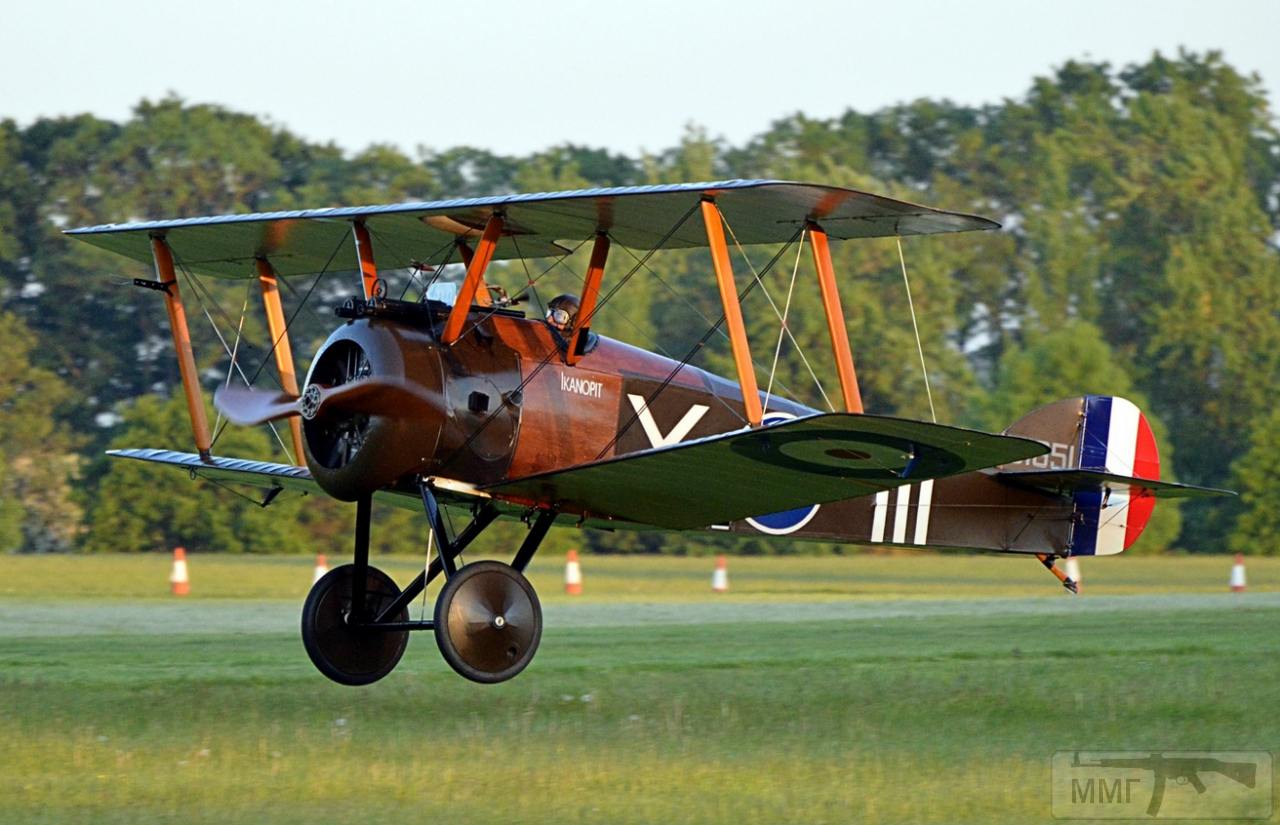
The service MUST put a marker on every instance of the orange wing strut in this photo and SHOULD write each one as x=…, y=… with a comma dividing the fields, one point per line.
x=835, y=318
x=280, y=347
x=732, y=312
x=483, y=298
x=182, y=345
x=475, y=277
x=364, y=251
x=590, y=292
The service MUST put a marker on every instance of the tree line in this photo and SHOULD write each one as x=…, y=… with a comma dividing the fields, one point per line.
x=1139, y=257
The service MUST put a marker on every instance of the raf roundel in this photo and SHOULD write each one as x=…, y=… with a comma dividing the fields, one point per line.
x=786, y=521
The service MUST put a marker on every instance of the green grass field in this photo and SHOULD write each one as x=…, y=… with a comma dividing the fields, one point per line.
x=821, y=689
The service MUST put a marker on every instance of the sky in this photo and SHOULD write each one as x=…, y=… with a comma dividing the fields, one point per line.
x=517, y=77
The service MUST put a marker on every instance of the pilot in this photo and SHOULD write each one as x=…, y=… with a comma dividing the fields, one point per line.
x=562, y=316
x=562, y=312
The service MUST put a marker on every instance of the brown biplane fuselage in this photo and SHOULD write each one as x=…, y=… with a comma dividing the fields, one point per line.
x=502, y=403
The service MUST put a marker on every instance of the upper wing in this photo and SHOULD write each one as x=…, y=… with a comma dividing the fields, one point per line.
x=805, y=461
x=299, y=242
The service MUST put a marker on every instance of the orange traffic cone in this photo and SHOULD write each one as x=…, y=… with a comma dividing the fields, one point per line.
x=572, y=574
x=1073, y=572
x=720, y=578
x=179, y=584
x=1237, y=574
x=322, y=567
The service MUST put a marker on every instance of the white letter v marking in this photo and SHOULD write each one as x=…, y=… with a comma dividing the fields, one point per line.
x=677, y=434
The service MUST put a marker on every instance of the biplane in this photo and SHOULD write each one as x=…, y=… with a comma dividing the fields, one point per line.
x=459, y=401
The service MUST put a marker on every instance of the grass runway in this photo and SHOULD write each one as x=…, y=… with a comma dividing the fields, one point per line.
x=849, y=689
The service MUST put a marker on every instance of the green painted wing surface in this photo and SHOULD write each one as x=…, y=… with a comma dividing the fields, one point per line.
x=805, y=461
x=537, y=225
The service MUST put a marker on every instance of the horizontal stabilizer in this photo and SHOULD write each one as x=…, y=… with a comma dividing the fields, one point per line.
x=1067, y=482
x=796, y=463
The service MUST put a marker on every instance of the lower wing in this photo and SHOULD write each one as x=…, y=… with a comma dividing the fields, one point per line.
x=796, y=463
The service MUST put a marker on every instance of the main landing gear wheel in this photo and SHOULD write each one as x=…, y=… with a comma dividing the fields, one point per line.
x=488, y=621
x=346, y=654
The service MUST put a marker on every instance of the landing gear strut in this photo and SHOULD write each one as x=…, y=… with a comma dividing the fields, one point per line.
x=487, y=619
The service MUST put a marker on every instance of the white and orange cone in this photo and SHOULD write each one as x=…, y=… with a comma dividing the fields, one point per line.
x=179, y=584
x=1237, y=574
x=572, y=574
x=720, y=578
x=322, y=567
x=1073, y=572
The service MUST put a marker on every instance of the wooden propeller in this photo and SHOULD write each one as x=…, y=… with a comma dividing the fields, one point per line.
x=373, y=396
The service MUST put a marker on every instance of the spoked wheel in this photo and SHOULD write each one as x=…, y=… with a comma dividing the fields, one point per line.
x=488, y=622
x=346, y=654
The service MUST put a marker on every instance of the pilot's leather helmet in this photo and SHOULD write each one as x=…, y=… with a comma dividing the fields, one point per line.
x=562, y=311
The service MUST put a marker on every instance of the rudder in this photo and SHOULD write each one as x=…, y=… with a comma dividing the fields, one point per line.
x=1105, y=436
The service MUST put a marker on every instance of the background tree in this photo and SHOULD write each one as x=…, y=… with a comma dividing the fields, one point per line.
x=1257, y=478
x=38, y=463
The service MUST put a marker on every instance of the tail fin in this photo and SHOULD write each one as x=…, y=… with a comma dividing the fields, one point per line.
x=1103, y=455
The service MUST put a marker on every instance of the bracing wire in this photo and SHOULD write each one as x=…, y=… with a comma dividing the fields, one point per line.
x=235, y=350
x=694, y=349
x=786, y=311
x=297, y=310
x=691, y=305
x=787, y=330
x=231, y=353
x=916, y=327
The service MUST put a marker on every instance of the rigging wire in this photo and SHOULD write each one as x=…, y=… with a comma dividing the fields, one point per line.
x=915, y=326
x=692, y=350
x=293, y=290
x=786, y=311
x=206, y=299
x=696, y=311
x=255, y=502
x=530, y=281
x=298, y=309
x=235, y=350
x=234, y=367
x=785, y=328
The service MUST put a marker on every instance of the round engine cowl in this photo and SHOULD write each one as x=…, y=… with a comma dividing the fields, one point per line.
x=352, y=453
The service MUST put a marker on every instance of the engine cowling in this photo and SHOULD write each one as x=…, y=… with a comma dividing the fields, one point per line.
x=351, y=454
x=453, y=411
